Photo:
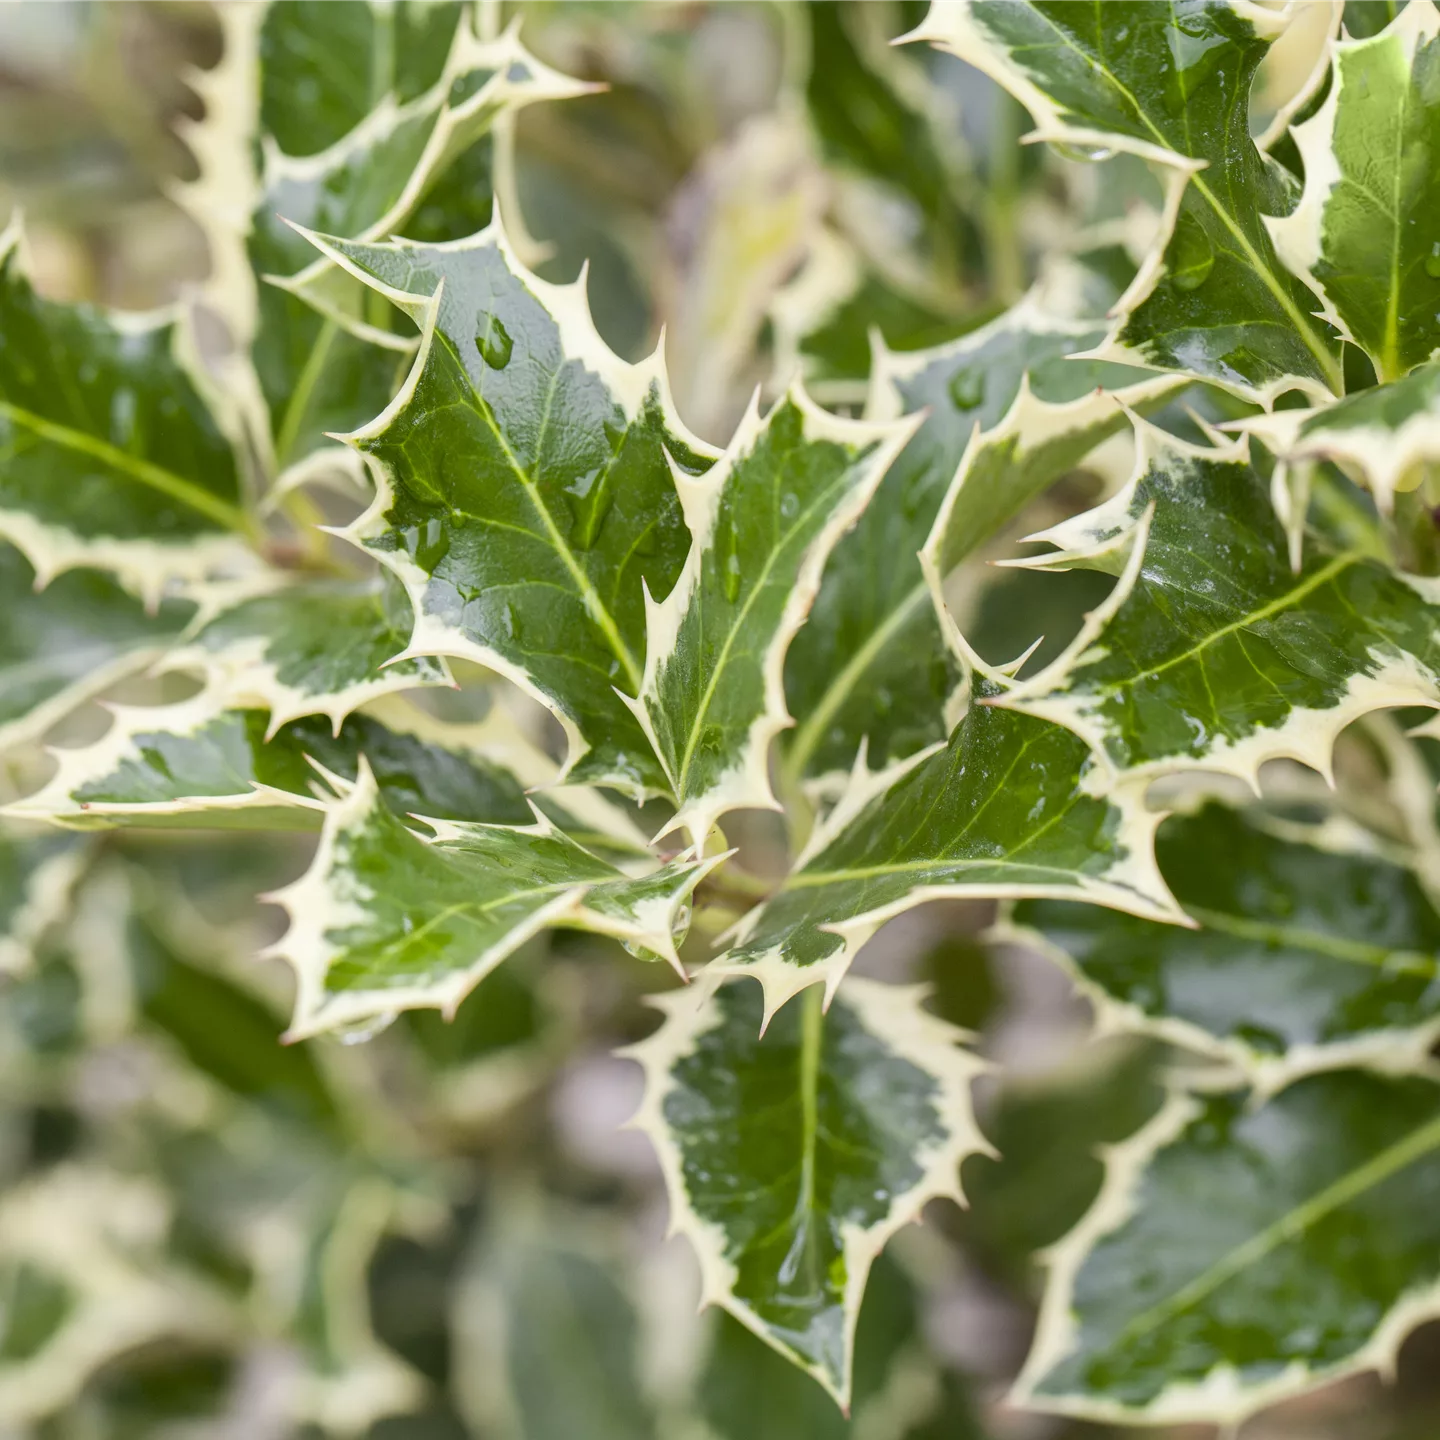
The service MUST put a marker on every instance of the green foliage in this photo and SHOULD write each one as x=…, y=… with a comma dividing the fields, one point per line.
x=512, y=684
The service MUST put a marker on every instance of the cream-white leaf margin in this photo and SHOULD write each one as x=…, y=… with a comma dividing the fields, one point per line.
x=144, y=567
x=1299, y=236
x=314, y=909
x=949, y=27
x=746, y=784
x=629, y=385
x=1109, y=538
x=1384, y=460
x=894, y=1015
x=1222, y=1398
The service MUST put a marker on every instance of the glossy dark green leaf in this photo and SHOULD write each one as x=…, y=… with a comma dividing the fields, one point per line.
x=1004, y=809
x=762, y=524
x=385, y=921
x=1170, y=83
x=1007, y=414
x=526, y=490
x=1212, y=653
x=110, y=454
x=1304, y=952
x=1363, y=236
x=791, y=1159
x=1240, y=1253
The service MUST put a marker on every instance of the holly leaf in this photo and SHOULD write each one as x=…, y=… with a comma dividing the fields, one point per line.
x=762, y=523
x=1239, y=1254
x=1363, y=235
x=1308, y=949
x=1383, y=438
x=1171, y=85
x=111, y=454
x=319, y=356
x=385, y=920
x=64, y=645
x=205, y=763
x=1211, y=653
x=791, y=1160
x=306, y=647
x=530, y=553
x=1001, y=810
x=1006, y=414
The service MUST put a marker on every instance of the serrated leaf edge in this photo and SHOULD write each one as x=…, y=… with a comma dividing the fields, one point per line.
x=1221, y=1398
x=893, y=1014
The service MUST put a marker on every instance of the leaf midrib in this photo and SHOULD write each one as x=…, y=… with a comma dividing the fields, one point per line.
x=1329, y=366
x=1289, y=1226
x=593, y=603
x=142, y=471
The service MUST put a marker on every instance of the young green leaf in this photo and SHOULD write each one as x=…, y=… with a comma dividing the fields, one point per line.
x=524, y=489
x=1306, y=952
x=1006, y=414
x=791, y=1160
x=1211, y=653
x=1364, y=235
x=1238, y=1255
x=385, y=921
x=61, y=646
x=1172, y=87
x=762, y=523
x=1003, y=809
x=1383, y=438
x=111, y=454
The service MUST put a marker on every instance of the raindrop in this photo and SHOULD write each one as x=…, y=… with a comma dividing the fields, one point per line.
x=730, y=576
x=1088, y=154
x=357, y=1032
x=1191, y=257
x=1432, y=261
x=967, y=389
x=589, y=504
x=493, y=342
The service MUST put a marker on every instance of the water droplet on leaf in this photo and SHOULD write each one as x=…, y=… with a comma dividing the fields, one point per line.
x=1191, y=257
x=1088, y=154
x=1432, y=261
x=589, y=504
x=967, y=389
x=357, y=1032
x=493, y=342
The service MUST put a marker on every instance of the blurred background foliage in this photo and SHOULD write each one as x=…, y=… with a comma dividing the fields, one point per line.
x=443, y=1232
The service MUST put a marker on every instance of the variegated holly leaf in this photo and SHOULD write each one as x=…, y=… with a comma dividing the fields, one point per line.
x=1364, y=235
x=385, y=921
x=1172, y=86
x=204, y=763
x=1003, y=809
x=1311, y=947
x=1239, y=1254
x=791, y=1159
x=1006, y=413
x=1211, y=653
x=323, y=355
x=61, y=646
x=307, y=646
x=83, y=1279
x=324, y=68
x=111, y=455
x=762, y=523
x=525, y=495
x=37, y=874
x=1385, y=438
